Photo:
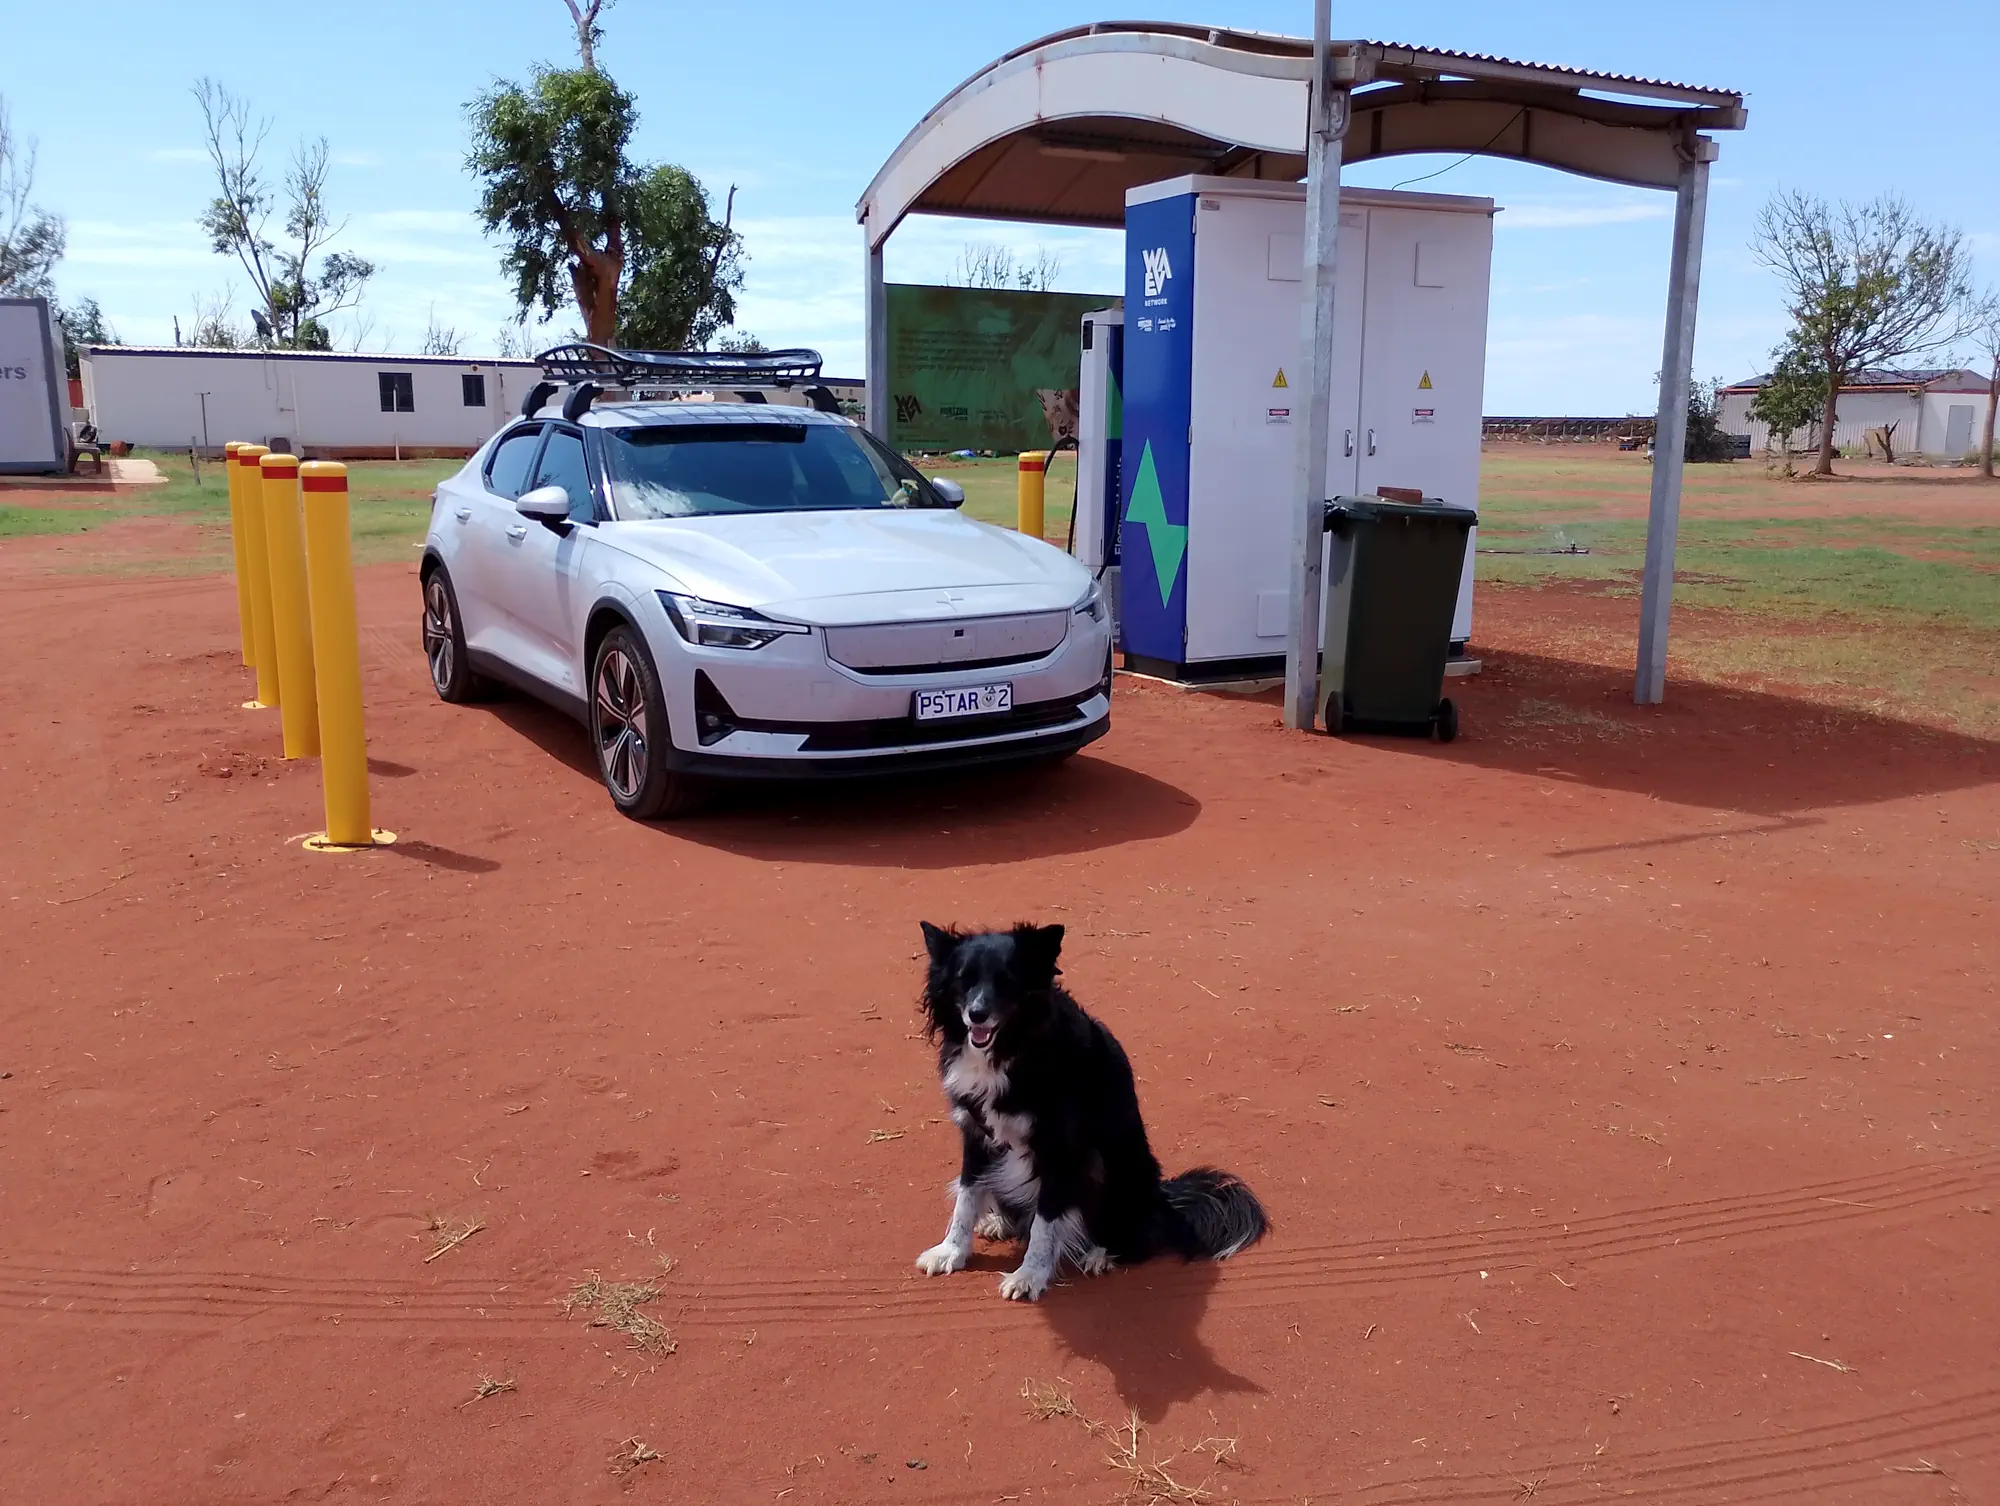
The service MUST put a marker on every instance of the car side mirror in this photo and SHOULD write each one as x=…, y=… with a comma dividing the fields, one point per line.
x=545, y=504
x=951, y=491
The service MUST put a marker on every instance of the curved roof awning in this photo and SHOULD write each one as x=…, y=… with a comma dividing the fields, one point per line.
x=1056, y=131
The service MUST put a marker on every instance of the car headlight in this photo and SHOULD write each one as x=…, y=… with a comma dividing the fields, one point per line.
x=714, y=624
x=1092, y=604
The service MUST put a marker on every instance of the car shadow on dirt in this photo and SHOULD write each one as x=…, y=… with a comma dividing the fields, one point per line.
x=1143, y=1327
x=1716, y=747
x=947, y=820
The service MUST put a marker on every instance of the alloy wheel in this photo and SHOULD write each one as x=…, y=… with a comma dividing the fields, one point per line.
x=438, y=647
x=621, y=724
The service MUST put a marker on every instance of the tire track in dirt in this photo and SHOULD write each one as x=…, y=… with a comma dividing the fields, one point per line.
x=394, y=648
x=1802, y=1461
x=826, y=1301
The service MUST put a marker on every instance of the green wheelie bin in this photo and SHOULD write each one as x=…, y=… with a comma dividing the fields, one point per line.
x=1392, y=575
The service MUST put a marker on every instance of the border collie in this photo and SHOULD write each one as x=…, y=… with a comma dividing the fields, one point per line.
x=1054, y=1146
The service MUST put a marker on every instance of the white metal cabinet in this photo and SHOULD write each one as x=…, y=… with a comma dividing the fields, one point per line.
x=1410, y=314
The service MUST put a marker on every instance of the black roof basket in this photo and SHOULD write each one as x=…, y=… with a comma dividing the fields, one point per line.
x=679, y=370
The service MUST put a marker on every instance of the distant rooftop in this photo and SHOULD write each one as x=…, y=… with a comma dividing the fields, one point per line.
x=1947, y=378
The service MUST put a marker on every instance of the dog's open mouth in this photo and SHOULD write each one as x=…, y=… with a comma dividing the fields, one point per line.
x=981, y=1036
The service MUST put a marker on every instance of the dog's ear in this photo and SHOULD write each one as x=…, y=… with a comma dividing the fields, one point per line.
x=1038, y=947
x=938, y=941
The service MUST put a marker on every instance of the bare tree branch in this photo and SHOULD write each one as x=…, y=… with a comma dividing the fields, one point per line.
x=588, y=32
x=31, y=238
x=301, y=284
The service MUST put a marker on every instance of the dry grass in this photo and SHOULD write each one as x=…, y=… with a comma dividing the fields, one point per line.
x=1047, y=1400
x=449, y=1235
x=615, y=1305
x=1150, y=1476
x=630, y=1454
x=1569, y=723
x=489, y=1386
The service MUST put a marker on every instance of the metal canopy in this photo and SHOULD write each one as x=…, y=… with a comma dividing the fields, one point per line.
x=1055, y=133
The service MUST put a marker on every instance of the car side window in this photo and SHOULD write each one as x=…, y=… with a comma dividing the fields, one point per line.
x=563, y=465
x=507, y=471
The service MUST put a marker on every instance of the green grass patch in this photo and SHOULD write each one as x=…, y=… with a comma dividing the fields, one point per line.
x=28, y=522
x=990, y=489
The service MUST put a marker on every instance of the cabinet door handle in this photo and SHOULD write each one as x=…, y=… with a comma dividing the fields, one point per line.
x=1371, y=441
x=1350, y=442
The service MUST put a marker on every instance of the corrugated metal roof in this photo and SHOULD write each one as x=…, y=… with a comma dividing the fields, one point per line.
x=1607, y=78
x=1916, y=376
x=1280, y=45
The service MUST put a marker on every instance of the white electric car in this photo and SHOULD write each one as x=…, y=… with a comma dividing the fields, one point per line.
x=748, y=587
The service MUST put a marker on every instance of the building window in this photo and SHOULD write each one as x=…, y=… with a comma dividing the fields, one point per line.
x=397, y=394
x=474, y=386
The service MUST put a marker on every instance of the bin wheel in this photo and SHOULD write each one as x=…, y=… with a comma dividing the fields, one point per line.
x=1447, y=720
x=1333, y=716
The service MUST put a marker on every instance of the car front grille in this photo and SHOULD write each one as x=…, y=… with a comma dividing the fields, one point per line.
x=904, y=648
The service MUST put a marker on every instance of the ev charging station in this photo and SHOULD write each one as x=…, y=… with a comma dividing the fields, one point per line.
x=1202, y=430
x=1062, y=129
x=1100, y=430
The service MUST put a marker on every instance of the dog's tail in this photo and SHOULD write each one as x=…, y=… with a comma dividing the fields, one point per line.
x=1212, y=1214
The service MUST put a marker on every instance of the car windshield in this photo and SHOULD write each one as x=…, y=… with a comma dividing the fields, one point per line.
x=683, y=470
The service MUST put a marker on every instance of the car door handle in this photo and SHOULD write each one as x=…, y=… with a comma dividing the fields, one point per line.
x=1371, y=441
x=518, y=531
x=463, y=514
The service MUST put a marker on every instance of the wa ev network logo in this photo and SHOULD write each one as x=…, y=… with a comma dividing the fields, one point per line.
x=1158, y=271
x=1166, y=542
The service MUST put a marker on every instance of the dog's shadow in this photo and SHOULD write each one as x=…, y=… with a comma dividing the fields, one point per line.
x=1143, y=1325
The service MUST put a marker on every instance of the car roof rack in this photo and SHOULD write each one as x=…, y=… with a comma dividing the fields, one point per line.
x=679, y=370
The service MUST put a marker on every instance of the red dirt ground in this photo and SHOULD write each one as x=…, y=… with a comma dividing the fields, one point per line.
x=1621, y=1083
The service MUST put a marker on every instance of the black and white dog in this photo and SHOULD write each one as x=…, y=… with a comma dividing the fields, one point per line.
x=1054, y=1146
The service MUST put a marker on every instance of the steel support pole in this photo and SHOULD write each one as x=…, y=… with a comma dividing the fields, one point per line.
x=1663, y=520
x=877, y=313
x=1327, y=125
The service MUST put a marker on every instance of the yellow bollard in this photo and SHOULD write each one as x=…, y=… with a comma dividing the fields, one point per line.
x=343, y=764
x=250, y=494
x=243, y=623
x=291, y=622
x=1028, y=482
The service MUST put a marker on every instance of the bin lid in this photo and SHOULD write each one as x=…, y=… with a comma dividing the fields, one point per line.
x=1374, y=508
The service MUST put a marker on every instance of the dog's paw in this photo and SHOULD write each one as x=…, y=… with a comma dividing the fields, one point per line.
x=996, y=1226
x=1095, y=1262
x=942, y=1260
x=1023, y=1285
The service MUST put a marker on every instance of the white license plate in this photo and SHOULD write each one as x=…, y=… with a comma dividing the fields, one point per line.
x=967, y=700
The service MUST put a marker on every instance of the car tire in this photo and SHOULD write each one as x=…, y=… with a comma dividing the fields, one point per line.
x=628, y=730
x=444, y=644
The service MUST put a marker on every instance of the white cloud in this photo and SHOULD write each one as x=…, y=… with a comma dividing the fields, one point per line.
x=146, y=244
x=1575, y=216
x=436, y=221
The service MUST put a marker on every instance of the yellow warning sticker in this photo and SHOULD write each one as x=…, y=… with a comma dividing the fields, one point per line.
x=1279, y=380
x=1425, y=384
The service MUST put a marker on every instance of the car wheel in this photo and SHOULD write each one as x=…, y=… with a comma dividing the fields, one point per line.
x=444, y=643
x=628, y=727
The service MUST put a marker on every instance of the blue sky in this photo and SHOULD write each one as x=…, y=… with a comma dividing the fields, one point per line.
x=799, y=101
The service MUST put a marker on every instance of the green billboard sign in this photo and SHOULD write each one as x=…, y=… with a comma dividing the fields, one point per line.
x=984, y=368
